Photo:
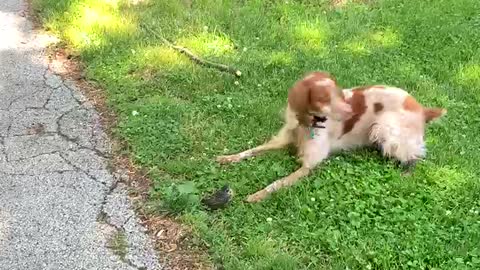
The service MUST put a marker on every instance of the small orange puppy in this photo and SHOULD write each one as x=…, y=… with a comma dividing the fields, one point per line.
x=321, y=119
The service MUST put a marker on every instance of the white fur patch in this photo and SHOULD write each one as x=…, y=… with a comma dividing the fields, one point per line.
x=398, y=136
x=317, y=148
x=347, y=93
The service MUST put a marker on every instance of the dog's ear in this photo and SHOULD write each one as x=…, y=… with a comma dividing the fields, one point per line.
x=320, y=96
x=299, y=102
x=299, y=97
x=311, y=92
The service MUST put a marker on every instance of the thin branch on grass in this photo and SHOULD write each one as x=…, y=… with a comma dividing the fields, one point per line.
x=192, y=56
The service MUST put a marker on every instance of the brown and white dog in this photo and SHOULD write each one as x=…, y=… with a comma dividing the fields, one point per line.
x=381, y=116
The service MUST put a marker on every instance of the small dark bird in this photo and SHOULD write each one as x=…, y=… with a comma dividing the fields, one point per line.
x=219, y=199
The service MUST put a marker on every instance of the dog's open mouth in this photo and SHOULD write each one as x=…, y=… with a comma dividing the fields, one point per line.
x=317, y=121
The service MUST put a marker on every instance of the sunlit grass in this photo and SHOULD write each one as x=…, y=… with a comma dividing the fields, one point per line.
x=449, y=178
x=357, y=47
x=161, y=58
x=91, y=23
x=310, y=36
x=366, y=43
x=280, y=59
x=81, y=39
x=97, y=16
x=386, y=39
x=469, y=75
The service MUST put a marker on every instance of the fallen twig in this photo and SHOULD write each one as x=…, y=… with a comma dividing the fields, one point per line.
x=193, y=57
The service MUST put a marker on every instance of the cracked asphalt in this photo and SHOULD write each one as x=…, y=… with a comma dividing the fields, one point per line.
x=59, y=203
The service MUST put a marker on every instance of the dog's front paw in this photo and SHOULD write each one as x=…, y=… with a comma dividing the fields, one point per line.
x=257, y=197
x=228, y=159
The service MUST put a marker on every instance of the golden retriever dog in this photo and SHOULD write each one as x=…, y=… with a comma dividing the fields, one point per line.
x=321, y=119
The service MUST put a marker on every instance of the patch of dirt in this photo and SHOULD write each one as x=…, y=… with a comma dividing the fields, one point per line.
x=171, y=239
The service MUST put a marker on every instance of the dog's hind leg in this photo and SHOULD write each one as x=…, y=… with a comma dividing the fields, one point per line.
x=282, y=139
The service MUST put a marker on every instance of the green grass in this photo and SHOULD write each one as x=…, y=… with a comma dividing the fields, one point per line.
x=118, y=244
x=355, y=211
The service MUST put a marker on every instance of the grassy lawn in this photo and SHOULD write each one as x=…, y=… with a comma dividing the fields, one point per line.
x=355, y=211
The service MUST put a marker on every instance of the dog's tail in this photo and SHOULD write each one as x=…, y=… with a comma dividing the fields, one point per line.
x=431, y=114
